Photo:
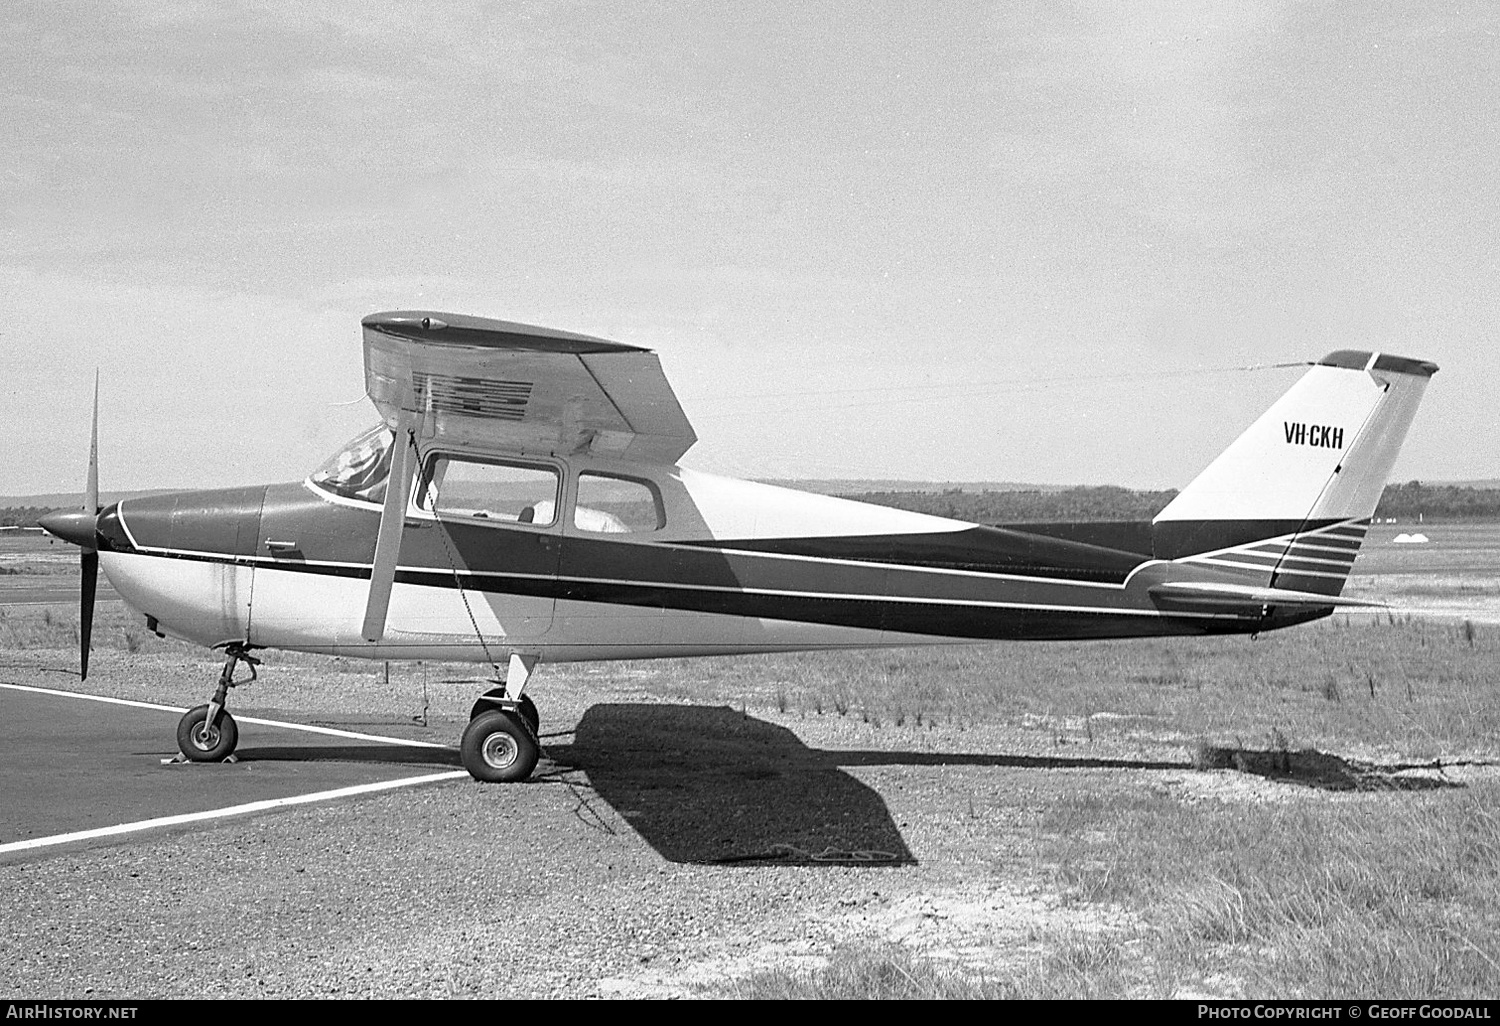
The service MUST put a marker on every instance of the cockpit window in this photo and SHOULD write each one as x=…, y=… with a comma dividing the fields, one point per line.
x=360, y=469
x=491, y=490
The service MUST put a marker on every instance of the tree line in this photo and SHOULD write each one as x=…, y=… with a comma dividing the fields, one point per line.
x=21, y=516
x=1403, y=502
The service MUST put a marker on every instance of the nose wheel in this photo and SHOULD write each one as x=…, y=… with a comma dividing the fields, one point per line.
x=207, y=733
x=203, y=740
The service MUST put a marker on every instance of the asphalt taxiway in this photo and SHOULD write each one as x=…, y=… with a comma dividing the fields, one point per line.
x=78, y=769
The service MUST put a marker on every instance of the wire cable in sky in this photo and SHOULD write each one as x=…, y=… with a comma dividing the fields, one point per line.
x=966, y=390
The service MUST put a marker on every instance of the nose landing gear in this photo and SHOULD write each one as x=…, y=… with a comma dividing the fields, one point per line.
x=207, y=733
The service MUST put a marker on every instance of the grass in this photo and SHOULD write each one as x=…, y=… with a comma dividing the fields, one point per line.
x=1419, y=687
x=876, y=972
x=1387, y=899
x=1290, y=900
x=1311, y=895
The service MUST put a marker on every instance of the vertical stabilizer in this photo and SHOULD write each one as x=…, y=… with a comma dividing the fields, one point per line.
x=1287, y=504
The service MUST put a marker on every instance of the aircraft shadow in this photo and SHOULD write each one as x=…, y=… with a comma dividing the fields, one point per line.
x=375, y=753
x=712, y=785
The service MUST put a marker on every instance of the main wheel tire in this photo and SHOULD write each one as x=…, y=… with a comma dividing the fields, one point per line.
x=525, y=706
x=201, y=741
x=498, y=749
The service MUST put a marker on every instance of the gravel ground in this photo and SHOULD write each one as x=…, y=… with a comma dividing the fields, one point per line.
x=661, y=849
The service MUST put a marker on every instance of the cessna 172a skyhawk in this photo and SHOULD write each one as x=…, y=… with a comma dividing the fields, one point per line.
x=521, y=501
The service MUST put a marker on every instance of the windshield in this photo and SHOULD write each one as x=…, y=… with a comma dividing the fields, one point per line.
x=359, y=470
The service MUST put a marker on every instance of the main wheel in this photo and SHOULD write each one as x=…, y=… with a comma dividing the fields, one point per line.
x=525, y=706
x=498, y=749
x=201, y=741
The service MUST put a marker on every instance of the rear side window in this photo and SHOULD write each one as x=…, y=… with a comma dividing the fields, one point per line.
x=488, y=490
x=617, y=505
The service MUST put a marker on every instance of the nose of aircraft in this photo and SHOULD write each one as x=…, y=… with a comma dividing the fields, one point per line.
x=74, y=526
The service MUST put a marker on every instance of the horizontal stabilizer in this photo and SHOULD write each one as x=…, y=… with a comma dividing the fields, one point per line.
x=1209, y=593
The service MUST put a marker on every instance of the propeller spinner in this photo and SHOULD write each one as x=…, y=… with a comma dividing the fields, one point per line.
x=77, y=527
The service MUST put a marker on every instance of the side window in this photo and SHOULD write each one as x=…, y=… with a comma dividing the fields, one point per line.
x=486, y=490
x=616, y=505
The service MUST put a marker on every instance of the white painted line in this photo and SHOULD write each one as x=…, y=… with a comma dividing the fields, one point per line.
x=233, y=810
x=93, y=698
x=240, y=719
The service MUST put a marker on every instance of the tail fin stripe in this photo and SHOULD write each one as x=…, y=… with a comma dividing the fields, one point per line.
x=1300, y=549
x=1346, y=564
x=1351, y=549
x=1292, y=538
x=1294, y=558
x=1345, y=531
x=1263, y=568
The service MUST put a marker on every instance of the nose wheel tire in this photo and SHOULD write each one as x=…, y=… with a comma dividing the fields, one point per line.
x=202, y=741
x=498, y=748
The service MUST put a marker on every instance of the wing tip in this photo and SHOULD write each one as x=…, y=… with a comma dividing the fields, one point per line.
x=436, y=327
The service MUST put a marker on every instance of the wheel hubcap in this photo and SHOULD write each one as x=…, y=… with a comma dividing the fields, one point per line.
x=499, y=750
x=206, y=736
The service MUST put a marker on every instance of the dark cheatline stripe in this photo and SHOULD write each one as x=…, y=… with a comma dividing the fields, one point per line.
x=976, y=549
x=1175, y=539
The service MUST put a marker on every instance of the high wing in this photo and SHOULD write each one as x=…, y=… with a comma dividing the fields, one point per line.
x=515, y=387
x=496, y=385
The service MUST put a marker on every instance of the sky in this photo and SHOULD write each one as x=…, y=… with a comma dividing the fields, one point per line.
x=1036, y=242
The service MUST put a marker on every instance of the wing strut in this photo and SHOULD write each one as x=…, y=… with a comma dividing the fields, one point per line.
x=392, y=521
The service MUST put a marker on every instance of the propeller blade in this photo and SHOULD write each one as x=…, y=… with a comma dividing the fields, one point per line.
x=79, y=528
x=86, y=608
x=91, y=489
x=89, y=582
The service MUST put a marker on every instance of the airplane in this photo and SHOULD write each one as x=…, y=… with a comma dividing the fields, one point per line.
x=521, y=501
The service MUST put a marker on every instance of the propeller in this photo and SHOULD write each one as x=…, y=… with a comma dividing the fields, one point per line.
x=78, y=528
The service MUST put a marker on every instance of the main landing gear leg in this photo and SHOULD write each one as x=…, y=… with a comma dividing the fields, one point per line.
x=207, y=733
x=500, y=744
